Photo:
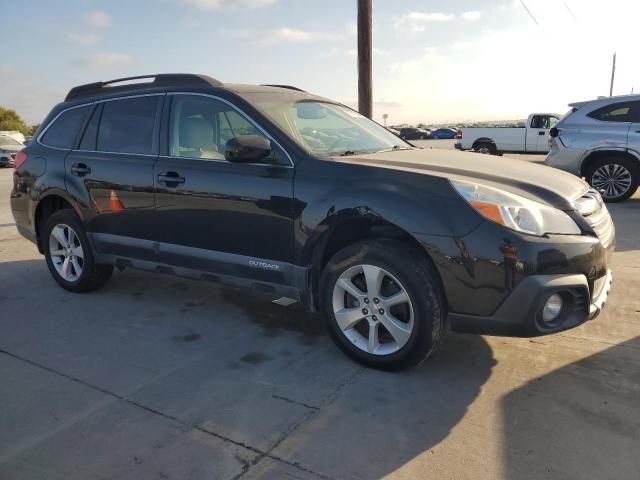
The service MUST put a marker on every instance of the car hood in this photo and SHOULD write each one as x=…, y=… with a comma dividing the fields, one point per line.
x=536, y=182
x=10, y=148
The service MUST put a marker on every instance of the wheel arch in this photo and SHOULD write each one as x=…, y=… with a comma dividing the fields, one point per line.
x=48, y=204
x=599, y=153
x=353, y=229
x=480, y=140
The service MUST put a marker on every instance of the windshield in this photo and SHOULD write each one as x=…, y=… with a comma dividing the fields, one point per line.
x=325, y=128
x=8, y=141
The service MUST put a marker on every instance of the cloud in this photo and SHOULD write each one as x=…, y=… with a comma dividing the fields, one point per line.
x=416, y=21
x=430, y=58
x=281, y=35
x=471, y=15
x=97, y=20
x=98, y=60
x=81, y=39
x=207, y=5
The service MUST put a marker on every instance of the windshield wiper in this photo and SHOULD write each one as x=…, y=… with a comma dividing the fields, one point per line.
x=347, y=153
x=394, y=148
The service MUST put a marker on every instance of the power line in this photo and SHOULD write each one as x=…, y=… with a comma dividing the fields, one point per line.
x=526, y=9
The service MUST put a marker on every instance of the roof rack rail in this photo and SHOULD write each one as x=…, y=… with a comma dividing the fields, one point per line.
x=290, y=87
x=159, y=80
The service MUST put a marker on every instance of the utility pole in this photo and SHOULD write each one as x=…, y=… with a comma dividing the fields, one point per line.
x=365, y=96
x=613, y=74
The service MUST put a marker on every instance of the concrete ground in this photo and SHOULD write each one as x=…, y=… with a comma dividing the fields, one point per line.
x=156, y=377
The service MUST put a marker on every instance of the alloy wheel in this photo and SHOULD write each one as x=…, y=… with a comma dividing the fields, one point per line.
x=611, y=180
x=373, y=310
x=66, y=252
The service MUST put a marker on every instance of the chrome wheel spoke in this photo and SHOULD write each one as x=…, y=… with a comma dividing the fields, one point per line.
x=374, y=341
x=390, y=317
x=373, y=276
x=65, y=269
x=348, y=286
x=76, y=266
x=398, y=330
x=65, y=250
x=397, y=299
x=612, y=179
x=347, y=318
x=58, y=234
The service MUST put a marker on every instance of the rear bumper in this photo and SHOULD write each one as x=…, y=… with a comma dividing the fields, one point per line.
x=521, y=313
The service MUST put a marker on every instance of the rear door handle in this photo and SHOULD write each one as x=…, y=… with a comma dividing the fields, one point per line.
x=80, y=169
x=170, y=178
x=542, y=132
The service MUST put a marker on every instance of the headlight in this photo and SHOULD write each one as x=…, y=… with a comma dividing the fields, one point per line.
x=514, y=211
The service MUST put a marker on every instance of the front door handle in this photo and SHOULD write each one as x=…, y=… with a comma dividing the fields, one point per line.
x=542, y=132
x=80, y=169
x=170, y=178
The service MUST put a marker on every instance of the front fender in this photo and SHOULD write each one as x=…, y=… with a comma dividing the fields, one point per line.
x=415, y=204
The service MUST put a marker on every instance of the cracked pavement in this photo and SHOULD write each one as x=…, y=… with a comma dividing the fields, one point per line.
x=157, y=377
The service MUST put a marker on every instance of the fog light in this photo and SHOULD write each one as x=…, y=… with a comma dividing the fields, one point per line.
x=552, y=308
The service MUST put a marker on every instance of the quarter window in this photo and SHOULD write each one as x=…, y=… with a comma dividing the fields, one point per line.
x=616, y=112
x=127, y=125
x=63, y=131
x=201, y=126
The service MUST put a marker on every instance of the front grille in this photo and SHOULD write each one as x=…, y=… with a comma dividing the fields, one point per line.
x=600, y=220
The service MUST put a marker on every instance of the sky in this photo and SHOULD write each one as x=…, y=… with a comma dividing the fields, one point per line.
x=433, y=62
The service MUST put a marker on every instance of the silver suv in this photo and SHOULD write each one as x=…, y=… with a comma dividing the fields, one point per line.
x=600, y=141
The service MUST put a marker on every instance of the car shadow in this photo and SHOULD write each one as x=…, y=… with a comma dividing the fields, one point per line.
x=580, y=421
x=626, y=218
x=330, y=414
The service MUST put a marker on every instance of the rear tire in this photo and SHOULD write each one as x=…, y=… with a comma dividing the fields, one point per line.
x=69, y=256
x=404, y=321
x=485, y=148
x=616, y=177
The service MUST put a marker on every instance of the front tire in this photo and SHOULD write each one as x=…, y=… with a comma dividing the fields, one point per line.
x=69, y=256
x=616, y=177
x=383, y=304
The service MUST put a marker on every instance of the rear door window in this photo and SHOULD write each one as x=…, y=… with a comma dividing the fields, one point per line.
x=128, y=125
x=63, y=132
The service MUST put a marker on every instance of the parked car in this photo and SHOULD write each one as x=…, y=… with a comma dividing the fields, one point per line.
x=600, y=141
x=448, y=133
x=532, y=137
x=296, y=196
x=393, y=130
x=8, y=148
x=411, y=133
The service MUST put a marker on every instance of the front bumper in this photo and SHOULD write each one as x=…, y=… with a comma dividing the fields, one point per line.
x=521, y=313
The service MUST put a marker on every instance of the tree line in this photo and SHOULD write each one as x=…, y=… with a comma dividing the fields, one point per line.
x=10, y=120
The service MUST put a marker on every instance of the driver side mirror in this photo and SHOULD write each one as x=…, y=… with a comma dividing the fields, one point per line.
x=247, y=149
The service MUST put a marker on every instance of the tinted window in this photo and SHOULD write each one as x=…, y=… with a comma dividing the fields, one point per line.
x=127, y=125
x=616, y=112
x=200, y=127
x=90, y=136
x=64, y=130
x=543, y=121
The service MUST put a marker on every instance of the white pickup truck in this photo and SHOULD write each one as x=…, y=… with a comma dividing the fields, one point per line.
x=531, y=137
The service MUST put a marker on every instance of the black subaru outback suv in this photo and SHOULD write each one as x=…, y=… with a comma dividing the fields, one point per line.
x=284, y=192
